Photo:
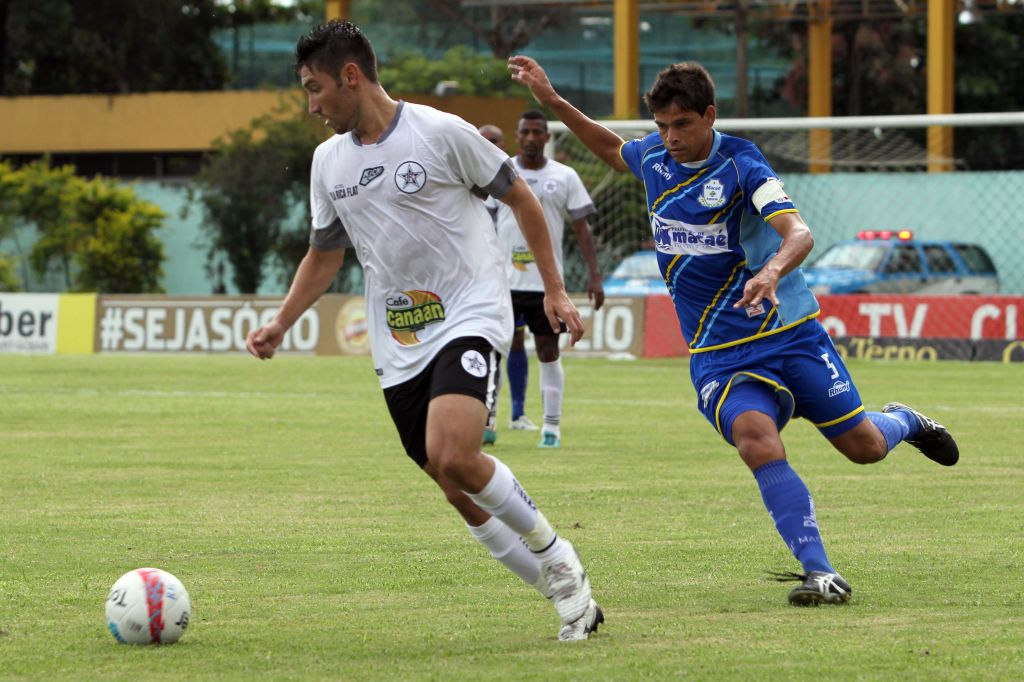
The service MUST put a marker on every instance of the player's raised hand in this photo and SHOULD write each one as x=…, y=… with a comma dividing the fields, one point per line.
x=527, y=71
x=263, y=342
x=560, y=307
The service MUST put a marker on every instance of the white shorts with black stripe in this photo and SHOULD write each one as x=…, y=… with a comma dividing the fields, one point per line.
x=466, y=366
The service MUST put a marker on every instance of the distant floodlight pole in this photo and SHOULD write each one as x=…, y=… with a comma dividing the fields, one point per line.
x=627, y=58
x=940, y=82
x=338, y=9
x=819, y=82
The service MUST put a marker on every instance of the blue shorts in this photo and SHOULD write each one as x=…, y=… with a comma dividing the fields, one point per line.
x=795, y=373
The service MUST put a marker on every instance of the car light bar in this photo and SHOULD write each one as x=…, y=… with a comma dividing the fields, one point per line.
x=902, y=235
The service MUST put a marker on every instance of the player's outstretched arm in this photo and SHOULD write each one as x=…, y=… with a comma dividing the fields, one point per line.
x=315, y=274
x=600, y=140
x=797, y=242
x=530, y=216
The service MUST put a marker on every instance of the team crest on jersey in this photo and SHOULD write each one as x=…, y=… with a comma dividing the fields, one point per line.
x=371, y=174
x=712, y=194
x=409, y=312
x=410, y=177
x=521, y=258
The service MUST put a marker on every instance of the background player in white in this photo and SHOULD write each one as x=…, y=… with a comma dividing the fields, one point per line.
x=563, y=197
x=515, y=361
x=397, y=184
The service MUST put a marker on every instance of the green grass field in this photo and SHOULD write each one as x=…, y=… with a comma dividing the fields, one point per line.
x=313, y=549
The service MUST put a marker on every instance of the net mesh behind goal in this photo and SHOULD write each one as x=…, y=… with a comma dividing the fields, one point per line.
x=877, y=180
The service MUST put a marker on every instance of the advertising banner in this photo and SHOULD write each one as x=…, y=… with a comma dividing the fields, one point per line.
x=617, y=328
x=888, y=327
x=28, y=323
x=335, y=325
x=923, y=317
x=220, y=324
x=662, y=336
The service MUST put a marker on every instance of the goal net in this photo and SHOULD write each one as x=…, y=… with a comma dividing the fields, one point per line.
x=857, y=175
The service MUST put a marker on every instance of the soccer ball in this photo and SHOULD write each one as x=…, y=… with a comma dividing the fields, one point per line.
x=147, y=606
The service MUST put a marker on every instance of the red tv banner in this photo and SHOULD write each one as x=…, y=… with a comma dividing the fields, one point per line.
x=889, y=327
x=923, y=317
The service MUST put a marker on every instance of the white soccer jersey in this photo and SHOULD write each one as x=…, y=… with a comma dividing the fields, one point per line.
x=426, y=243
x=563, y=197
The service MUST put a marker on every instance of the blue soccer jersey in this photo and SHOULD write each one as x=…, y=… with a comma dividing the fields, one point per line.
x=709, y=225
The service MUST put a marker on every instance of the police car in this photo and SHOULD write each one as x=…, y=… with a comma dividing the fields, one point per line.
x=894, y=262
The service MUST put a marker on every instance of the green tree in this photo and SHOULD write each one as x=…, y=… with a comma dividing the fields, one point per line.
x=99, y=234
x=120, y=46
x=248, y=187
x=115, y=250
x=476, y=74
x=504, y=27
x=8, y=280
x=8, y=221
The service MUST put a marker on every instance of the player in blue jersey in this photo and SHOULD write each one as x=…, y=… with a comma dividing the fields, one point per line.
x=730, y=242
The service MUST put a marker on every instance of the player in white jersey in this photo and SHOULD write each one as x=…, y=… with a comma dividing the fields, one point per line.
x=396, y=184
x=563, y=197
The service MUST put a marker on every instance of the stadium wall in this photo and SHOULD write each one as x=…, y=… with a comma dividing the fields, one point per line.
x=180, y=121
x=892, y=328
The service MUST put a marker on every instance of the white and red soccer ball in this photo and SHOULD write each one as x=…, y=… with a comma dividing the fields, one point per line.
x=148, y=606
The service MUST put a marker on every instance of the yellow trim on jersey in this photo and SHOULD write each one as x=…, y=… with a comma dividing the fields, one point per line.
x=726, y=209
x=664, y=194
x=728, y=282
x=756, y=336
x=668, y=270
x=841, y=419
x=766, y=318
x=780, y=212
x=774, y=384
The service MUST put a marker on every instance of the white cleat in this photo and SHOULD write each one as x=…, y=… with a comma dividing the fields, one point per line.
x=582, y=627
x=568, y=587
x=523, y=424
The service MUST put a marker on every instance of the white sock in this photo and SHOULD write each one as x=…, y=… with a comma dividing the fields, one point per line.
x=552, y=386
x=505, y=498
x=509, y=549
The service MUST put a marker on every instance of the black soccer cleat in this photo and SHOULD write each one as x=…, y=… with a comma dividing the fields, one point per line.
x=933, y=440
x=817, y=588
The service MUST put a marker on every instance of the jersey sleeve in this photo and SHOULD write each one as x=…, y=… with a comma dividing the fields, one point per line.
x=632, y=153
x=578, y=202
x=767, y=196
x=326, y=229
x=480, y=165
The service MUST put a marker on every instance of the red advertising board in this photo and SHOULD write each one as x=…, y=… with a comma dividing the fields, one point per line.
x=662, y=336
x=923, y=317
x=886, y=326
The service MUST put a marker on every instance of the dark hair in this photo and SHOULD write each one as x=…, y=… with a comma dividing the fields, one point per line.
x=534, y=115
x=329, y=46
x=687, y=84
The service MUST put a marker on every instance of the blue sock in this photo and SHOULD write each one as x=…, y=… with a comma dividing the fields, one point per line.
x=790, y=505
x=895, y=426
x=518, y=369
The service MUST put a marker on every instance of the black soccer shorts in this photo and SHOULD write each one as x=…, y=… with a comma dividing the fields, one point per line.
x=466, y=366
x=530, y=304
